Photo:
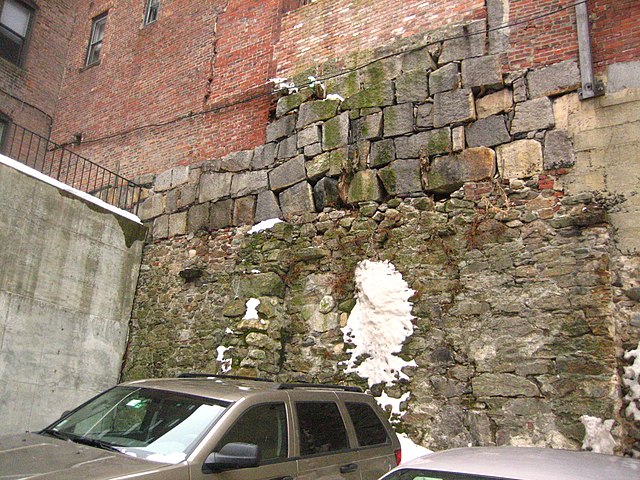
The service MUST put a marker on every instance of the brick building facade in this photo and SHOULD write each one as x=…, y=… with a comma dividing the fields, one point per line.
x=192, y=83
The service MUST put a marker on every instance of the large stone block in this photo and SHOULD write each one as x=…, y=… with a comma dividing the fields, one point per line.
x=288, y=147
x=177, y=224
x=152, y=207
x=558, y=150
x=198, y=217
x=445, y=78
x=214, y=186
x=398, y=120
x=267, y=206
x=291, y=102
x=365, y=187
x=498, y=102
x=483, y=72
x=368, y=127
x=503, y=385
x=378, y=96
x=519, y=159
x=281, y=128
x=488, y=132
x=382, y=153
x=160, y=228
x=335, y=132
x=249, y=183
x=553, y=80
x=380, y=72
x=429, y=142
x=309, y=136
x=402, y=177
x=424, y=115
x=287, y=174
x=448, y=173
x=244, y=210
x=418, y=60
x=467, y=41
x=343, y=85
x=264, y=156
x=318, y=166
x=297, y=200
x=325, y=193
x=412, y=87
x=533, y=115
x=221, y=214
x=456, y=106
x=316, y=111
x=237, y=161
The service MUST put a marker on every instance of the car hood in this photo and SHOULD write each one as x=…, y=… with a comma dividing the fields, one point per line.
x=41, y=457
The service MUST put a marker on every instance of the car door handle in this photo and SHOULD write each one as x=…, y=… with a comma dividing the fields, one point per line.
x=352, y=467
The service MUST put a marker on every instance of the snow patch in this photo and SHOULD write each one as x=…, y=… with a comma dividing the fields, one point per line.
x=252, y=312
x=225, y=363
x=264, y=225
x=632, y=382
x=334, y=96
x=598, y=436
x=385, y=400
x=382, y=305
x=411, y=450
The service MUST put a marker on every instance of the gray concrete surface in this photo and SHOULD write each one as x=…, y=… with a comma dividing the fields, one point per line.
x=68, y=272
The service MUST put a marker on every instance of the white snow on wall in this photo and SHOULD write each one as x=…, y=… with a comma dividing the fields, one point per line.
x=225, y=363
x=411, y=450
x=379, y=323
x=252, y=312
x=598, y=436
x=632, y=381
x=264, y=225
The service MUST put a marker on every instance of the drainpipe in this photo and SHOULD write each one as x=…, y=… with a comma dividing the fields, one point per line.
x=590, y=88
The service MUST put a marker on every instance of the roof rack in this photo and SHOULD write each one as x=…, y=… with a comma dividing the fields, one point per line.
x=346, y=388
x=228, y=377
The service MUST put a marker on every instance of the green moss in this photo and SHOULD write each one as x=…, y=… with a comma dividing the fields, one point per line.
x=389, y=180
x=376, y=96
x=440, y=142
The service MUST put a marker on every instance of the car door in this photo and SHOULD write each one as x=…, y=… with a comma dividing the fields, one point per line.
x=267, y=426
x=325, y=449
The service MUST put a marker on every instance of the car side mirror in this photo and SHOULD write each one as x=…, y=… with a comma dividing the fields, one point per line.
x=233, y=456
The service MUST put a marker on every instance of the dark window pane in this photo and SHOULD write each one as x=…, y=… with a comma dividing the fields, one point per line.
x=95, y=40
x=15, y=18
x=321, y=428
x=151, y=12
x=10, y=46
x=369, y=428
x=263, y=425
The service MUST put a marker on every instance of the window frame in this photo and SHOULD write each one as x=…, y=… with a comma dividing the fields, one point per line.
x=32, y=8
x=95, y=22
x=152, y=7
x=6, y=124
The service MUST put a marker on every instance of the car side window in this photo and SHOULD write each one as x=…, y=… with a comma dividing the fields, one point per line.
x=369, y=428
x=320, y=427
x=262, y=425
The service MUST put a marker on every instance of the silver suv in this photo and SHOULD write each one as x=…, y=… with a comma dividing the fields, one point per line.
x=210, y=427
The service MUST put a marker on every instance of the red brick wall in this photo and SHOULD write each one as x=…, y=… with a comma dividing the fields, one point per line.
x=38, y=80
x=615, y=31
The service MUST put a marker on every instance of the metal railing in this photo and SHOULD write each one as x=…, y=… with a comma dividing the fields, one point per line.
x=62, y=164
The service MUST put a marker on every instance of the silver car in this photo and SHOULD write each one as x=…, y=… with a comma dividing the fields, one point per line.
x=515, y=463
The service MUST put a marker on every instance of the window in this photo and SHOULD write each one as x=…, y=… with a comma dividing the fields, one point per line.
x=4, y=129
x=95, y=41
x=263, y=425
x=15, y=22
x=151, y=11
x=321, y=428
x=369, y=428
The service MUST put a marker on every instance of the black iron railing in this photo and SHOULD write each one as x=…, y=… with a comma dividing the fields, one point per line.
x=68, y=167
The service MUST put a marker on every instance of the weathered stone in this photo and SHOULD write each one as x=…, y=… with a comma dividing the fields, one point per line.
x=378, y=96
x=237, y=161
x=291, y=102
x=418, y=60
x=214, y=186
x=488, y=132
x=243, y=210
x=458, y=139
x=178, y=224
x=398, y=120
x=267, y=206
x=288, y=147
x=498, y=102
x=287, y=174
x=424, y=115
x=319, y=166
x=382, y=153
x=249, y=183
x=456, y=106
x=448, y=173
x=198, y=217
x=297, y=200
x=179, y=175
x=519, y=159
x=325, y=193
x=186, y=195
x=412, y=87
x=313, y=149
x=368, y=127
x=160, y=228
x=520, y=90
x=381, y=71
x=162, y=181
x=308, y=136
x=152, y=207
x=343, y=85
x=335, y=132
x=280, y=128
x=402, y=177
x=430, y=142
x=264, y=156
x=497, y=17
x=221, y=214
x=503, y=385
x=558, y=150
x=533, y=115
x=485, y=72
x=553, y=80
x=622, y=76
x=467, y=41
x=365, y=187
x=268, y=284
x=316, y=111
x=445, y=79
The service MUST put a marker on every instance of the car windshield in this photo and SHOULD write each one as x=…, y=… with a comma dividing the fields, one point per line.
x=153, y=424
x=420, y=474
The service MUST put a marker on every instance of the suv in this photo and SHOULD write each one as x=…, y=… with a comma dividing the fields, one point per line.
x=211, y=427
